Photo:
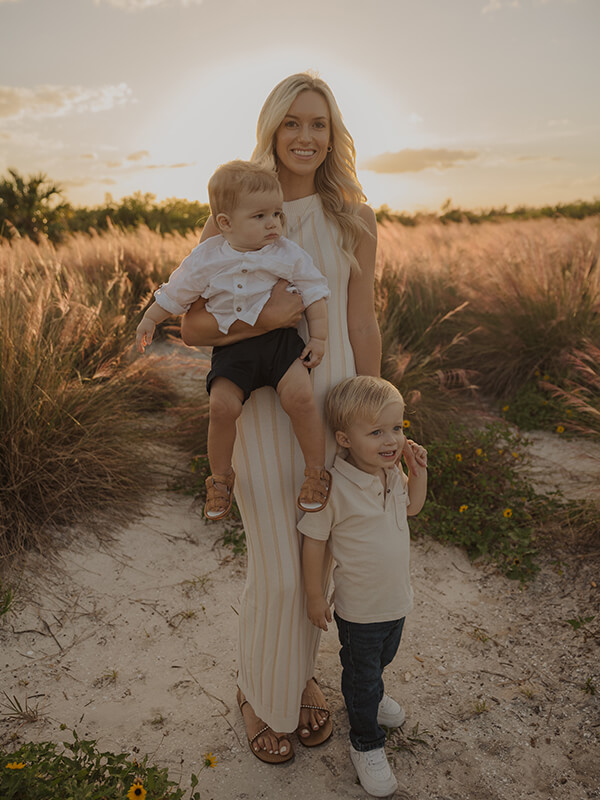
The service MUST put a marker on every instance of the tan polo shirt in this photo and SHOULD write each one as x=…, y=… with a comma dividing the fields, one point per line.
x=369, y=539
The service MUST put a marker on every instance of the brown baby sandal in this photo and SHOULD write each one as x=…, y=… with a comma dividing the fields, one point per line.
x=314, y=493
x=219, y=495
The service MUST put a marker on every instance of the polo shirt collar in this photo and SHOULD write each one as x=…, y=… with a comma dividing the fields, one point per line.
x=362, y=479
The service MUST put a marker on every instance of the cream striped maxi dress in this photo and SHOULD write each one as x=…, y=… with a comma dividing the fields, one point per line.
x=278, y=644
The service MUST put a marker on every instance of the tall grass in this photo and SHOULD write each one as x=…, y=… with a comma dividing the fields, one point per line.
x=69, y=392
x=504, y=304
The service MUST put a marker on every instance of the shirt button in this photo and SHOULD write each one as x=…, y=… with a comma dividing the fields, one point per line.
x=240, y=286
x=239, y=308
x=244, y=270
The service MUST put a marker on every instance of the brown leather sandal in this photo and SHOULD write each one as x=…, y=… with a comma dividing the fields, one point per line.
x=219, y=497
x=315, y=490
x=264, y=755
x=315, y=738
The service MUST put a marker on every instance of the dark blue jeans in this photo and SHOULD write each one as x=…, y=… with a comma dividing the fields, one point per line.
x=366, y=650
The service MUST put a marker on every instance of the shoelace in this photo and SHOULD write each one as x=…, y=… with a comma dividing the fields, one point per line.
x=376, y=759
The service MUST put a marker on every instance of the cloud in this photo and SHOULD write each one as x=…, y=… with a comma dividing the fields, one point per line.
x=142, y=5
x=57, y=101
x=77, y=183
x=417, y=160
x=138, y=155
x=170, y=166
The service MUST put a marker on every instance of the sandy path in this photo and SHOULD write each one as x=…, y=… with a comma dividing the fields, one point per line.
x=135, y=645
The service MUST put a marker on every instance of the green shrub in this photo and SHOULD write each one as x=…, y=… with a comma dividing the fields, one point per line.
x=79, y=771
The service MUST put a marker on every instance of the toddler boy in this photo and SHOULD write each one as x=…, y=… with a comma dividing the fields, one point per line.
x=365, y=524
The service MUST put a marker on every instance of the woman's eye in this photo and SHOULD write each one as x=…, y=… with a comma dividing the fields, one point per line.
x=290, y=123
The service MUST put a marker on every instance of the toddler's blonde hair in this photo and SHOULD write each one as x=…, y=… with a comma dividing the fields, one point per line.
x=237, y=178
x=359, y=397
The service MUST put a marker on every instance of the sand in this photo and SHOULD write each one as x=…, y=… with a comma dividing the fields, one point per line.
x=134, y=643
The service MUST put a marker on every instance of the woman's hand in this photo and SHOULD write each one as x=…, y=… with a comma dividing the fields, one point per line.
x=283, y=309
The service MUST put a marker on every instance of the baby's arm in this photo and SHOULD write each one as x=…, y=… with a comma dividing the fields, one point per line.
x=417, y=481
x=313, y=554
x=145, y=330
x=316, y=317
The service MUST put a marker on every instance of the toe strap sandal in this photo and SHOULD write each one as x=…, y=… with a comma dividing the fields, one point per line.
x=315, y=490
x=315, y=738
x=219, y=495
x=264, y=755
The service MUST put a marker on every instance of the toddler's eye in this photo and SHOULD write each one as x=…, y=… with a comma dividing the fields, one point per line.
x=375, y=432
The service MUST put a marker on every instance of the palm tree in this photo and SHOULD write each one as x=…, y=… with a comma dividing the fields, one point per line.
x=26, y=206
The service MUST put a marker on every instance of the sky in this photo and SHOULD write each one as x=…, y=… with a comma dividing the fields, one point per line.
x=482, y=102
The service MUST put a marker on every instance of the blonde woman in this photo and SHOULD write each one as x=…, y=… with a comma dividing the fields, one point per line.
x=302, y=135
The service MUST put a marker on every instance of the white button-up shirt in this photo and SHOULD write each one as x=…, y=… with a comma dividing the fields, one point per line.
x=237, y=285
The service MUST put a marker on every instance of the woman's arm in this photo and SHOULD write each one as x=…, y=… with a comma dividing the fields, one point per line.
x=282, y=310
x=363, y=330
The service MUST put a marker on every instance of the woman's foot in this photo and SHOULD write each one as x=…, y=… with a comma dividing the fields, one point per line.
x=264, y=743
x=314, y=725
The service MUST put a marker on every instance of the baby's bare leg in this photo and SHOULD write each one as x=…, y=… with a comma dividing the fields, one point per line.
x=226, y=400
x=298, y=401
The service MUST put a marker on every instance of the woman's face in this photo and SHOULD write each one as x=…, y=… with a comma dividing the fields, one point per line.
x=302, y=139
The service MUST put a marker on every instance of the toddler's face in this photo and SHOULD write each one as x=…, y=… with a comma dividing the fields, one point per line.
x=256, y=222
x=377, y=444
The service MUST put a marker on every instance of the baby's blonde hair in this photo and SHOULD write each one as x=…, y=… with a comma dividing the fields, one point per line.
x=236, y=178
x=361, y=397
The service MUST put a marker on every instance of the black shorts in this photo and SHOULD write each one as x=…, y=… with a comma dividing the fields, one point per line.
x=260, y=361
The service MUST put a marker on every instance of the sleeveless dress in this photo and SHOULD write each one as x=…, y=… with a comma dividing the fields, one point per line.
x=278, y=644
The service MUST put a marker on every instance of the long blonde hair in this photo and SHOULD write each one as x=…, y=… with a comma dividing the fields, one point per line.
x=335, y=179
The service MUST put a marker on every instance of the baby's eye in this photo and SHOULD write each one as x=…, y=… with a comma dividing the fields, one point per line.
x=397, y=427
x=376, y=432
x=258, y=216
x=278, y=213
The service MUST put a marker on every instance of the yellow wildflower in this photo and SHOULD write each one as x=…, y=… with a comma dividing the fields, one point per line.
x=560, y=429
x=507, y=512
x=458, y=457
x=506, y=407
x=515, y=455
x=406, y=423
x=546, y=377
x=15, y=765
x=210, y=760
x=569, y=412
x=462, y=508
x=137, y=791
x=479, y=451
x=537, y=373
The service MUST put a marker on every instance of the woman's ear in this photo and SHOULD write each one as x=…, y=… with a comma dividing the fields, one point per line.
x=342, y=439
x=223, y=222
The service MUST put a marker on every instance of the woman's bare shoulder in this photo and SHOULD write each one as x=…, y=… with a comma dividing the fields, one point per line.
x=366, y=213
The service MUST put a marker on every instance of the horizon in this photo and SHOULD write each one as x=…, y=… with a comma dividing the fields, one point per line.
x=486, y=103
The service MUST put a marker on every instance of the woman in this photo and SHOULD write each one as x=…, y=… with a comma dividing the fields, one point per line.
x=301, y=133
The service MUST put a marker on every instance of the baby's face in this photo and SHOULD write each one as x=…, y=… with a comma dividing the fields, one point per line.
x=257, y=221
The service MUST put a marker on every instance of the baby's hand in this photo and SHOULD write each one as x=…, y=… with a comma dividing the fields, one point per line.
x=312, y=355
x=319, y=613
x=144, y=333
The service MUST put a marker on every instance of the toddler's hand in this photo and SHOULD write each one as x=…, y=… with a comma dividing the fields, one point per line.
x=312, y=355
x=144, y=333
x=319, y=613
x=419, y=452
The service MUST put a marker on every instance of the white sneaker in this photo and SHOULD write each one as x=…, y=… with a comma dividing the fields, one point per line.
x=390, y=714
x=374, y=772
